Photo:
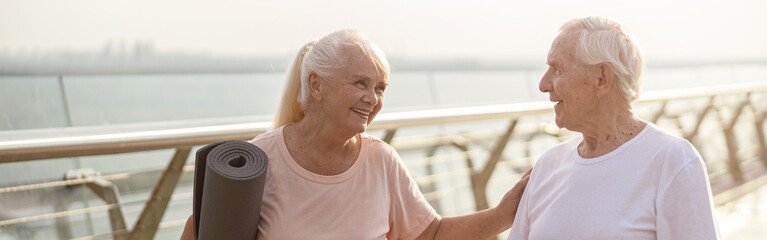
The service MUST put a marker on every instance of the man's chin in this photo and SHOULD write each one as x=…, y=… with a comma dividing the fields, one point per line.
x=560, y=123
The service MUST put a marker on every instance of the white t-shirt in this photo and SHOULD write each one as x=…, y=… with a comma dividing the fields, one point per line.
x=654, y=186
x=376, y=198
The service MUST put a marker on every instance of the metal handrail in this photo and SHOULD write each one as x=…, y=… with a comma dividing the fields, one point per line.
x=24, y=145
x=27, y=145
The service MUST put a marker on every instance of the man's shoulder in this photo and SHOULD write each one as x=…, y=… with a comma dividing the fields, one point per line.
x=562, y=148
x=671, y=145
x=558, y=153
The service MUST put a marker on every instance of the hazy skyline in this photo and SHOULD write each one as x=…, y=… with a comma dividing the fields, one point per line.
x=705, y=29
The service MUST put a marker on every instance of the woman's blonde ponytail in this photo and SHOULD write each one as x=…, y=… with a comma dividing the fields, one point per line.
x=290, y=110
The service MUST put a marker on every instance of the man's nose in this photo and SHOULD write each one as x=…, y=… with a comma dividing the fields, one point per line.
x=545, y=85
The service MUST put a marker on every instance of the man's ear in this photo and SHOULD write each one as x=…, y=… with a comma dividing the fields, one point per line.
x=605, y=78
x=315, y=86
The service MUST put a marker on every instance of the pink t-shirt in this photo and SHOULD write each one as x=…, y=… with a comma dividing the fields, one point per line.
x=376, y=198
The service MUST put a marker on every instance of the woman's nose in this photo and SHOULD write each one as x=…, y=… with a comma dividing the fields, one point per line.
x=371, y=97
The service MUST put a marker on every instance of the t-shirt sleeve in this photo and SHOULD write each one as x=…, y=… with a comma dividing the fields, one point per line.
x=685, y=207
x=409, y=214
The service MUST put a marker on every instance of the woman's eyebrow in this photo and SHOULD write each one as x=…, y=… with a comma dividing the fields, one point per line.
x=360, y=76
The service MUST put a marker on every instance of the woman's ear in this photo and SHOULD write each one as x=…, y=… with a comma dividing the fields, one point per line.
x=605, y=78
x=315, y=86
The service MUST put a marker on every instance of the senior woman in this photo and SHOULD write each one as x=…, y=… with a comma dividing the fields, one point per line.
x=623, y=178
x=327, y=179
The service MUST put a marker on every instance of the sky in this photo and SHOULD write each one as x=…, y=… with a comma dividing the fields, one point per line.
x=665, y=29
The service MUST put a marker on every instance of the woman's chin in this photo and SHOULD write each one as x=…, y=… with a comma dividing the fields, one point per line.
x=363, y=128
x=358, y=127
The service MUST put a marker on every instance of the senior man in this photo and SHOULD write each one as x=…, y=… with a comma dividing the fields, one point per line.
x=623, y=177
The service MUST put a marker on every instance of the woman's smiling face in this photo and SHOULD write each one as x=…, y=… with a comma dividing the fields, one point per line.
x=353, y=94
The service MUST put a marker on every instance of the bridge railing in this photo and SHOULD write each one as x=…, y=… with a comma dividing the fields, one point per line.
x=454, y=153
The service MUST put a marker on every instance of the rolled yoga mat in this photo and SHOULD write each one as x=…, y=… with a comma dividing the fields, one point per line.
x=228, y=186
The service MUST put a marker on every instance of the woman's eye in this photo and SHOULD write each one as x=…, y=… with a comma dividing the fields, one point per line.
x=360, y=83
x=380, y=89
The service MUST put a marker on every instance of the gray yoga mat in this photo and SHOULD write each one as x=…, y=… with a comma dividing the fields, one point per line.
x=228, y=186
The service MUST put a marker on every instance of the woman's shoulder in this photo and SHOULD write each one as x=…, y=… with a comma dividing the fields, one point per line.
x=379, y=151
x=375, y=143
x=268, y=139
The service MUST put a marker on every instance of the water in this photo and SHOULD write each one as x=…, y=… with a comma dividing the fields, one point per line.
x=39, y=101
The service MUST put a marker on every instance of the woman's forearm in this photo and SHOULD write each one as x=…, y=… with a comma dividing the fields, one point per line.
x=480, y=225
x=487, y=223
x=188, y=233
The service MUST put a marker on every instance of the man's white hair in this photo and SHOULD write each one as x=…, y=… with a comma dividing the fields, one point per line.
x=605, y=40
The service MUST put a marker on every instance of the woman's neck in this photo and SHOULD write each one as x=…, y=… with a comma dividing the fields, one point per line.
x=321, y=150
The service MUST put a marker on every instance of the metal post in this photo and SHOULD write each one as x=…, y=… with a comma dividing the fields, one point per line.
x=108, y=192
x=759, y=123
x=146, y=226
x=733, y=164
x=478, y=182
x=661, y=111
x=702, y=115
x=78, y=164
x=389, y=135
x=479, y=179
x=63, y=228
x=430, y=152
